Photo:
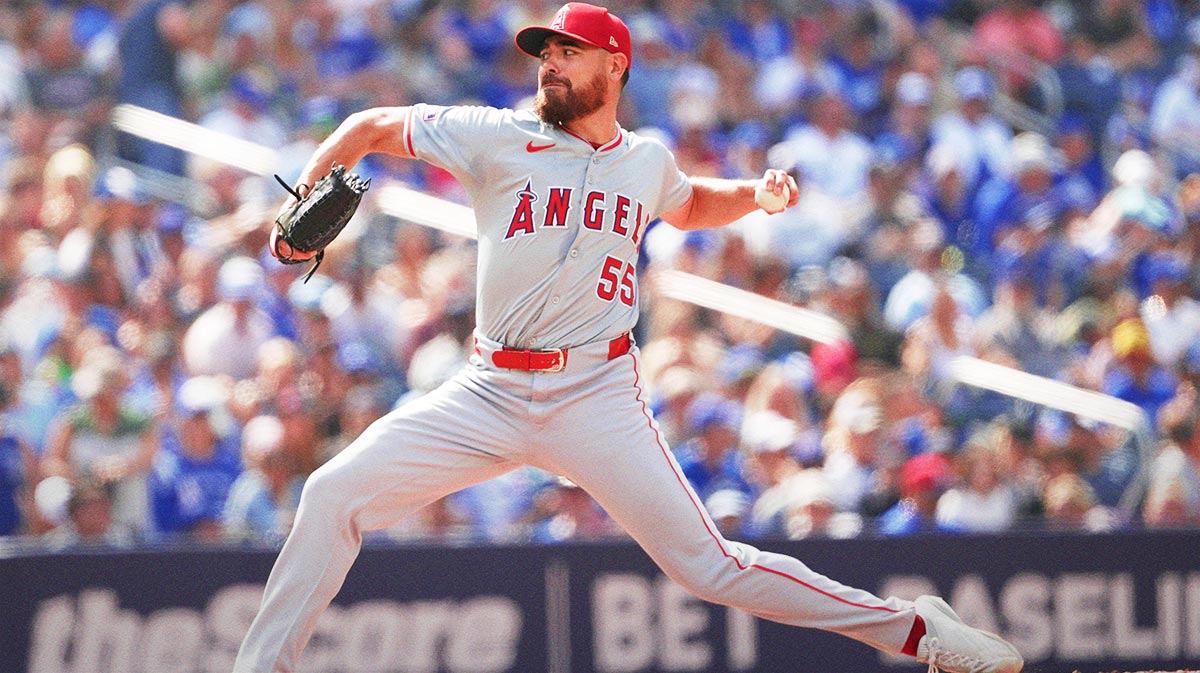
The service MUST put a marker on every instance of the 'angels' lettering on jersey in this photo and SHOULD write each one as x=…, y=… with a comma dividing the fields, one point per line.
x=559, y=221
x=602, y=211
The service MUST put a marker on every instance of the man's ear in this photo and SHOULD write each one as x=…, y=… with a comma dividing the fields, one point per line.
x=620, y=63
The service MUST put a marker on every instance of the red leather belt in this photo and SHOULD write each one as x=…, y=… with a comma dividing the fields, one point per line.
x=553, y=360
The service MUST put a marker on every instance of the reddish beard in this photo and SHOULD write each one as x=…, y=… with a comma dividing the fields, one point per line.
x=568, y=104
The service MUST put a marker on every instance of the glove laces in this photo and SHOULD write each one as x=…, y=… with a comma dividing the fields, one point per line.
x=939, y=656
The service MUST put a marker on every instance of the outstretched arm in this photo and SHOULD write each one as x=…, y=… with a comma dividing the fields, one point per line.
x=375, y=130
x=716, y=202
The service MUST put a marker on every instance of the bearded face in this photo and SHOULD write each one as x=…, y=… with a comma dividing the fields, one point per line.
x=559, y=105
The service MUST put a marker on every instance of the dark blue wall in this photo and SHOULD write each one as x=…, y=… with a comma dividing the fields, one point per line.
x=1086, y=602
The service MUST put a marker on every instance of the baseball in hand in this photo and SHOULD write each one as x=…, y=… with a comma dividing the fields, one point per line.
x=769, y=200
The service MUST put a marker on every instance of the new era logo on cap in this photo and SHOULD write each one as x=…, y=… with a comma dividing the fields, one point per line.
x=580, y=21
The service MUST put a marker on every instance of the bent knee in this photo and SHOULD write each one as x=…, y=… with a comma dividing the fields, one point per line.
x=712, y=579
x=328, y=485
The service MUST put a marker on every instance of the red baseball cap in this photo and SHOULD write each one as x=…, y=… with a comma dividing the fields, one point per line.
x=580, y=21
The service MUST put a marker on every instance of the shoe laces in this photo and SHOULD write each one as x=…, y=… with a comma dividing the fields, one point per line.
x=939, y=656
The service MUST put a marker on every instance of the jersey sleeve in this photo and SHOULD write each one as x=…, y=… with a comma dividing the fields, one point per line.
x=456, y=138
x=675, y=189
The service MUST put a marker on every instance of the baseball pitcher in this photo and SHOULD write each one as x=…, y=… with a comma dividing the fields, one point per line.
x=562, y=196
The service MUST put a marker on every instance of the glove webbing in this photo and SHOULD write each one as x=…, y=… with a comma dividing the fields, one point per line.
x=288, y=260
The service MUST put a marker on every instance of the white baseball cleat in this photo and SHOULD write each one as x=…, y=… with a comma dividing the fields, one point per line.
x=952, y=646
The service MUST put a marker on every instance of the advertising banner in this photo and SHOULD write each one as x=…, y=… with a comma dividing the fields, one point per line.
x=1068, y=602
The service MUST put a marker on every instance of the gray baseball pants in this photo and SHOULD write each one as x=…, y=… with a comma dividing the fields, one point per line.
x=590, y=423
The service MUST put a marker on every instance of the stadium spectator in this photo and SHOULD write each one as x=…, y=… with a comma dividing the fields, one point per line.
x=18, y=472
x=361, y=313
x=1175, y=114
x=981, y=501
x=933, y=341
x=65, y=88
x=828, y=151
x=1071, y=505
x=1173, y=494
x=1016, y=327
x=1091, y=84
x=787, y=80
x=810, y=510
x=103, y=439
x=769, y=442
x=912, y=295
x=1081, y=180
x=24, y=400
x=262, y=501
x=1120, y=29
x=1013, y=33
x=710, y=458
x=977, y=137
x=24, y=193
x=1106, y=458
x=907, y=127
x=67, y=188
x=945, y=197
x=200, y=460
x=834, y=368
x=245, y=111
x=282, y=390
x=853, y=300
x=1172, y=317
x=90, y=520
x=853, y=460
x=889, y=203
x=923, y=480
x=858, y=61
x=153, y=38
x=225, y=338
x=1026, y=198
x=156, y=373
x=361, y=406
x=758, y=31
x=1134, y=375
x=125, y=228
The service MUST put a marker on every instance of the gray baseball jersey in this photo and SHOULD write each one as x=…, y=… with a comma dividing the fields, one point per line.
x=559, y=226
x=559, y=221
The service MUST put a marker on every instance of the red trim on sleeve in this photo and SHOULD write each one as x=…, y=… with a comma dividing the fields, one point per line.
x=408, y=133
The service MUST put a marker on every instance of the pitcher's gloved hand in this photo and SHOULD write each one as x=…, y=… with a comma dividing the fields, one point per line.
x=304, y=229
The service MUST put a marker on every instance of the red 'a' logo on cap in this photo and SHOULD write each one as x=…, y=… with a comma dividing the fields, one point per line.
x=560, y=19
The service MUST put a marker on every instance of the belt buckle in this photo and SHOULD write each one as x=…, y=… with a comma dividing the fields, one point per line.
x=560, y=362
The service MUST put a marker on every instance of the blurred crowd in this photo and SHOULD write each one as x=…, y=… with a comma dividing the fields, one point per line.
x=1011, y=180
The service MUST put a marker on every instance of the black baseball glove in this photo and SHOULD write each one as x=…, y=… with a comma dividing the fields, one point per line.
x=318, y=216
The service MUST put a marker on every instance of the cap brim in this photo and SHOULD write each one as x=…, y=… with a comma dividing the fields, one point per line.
x=531, y=40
